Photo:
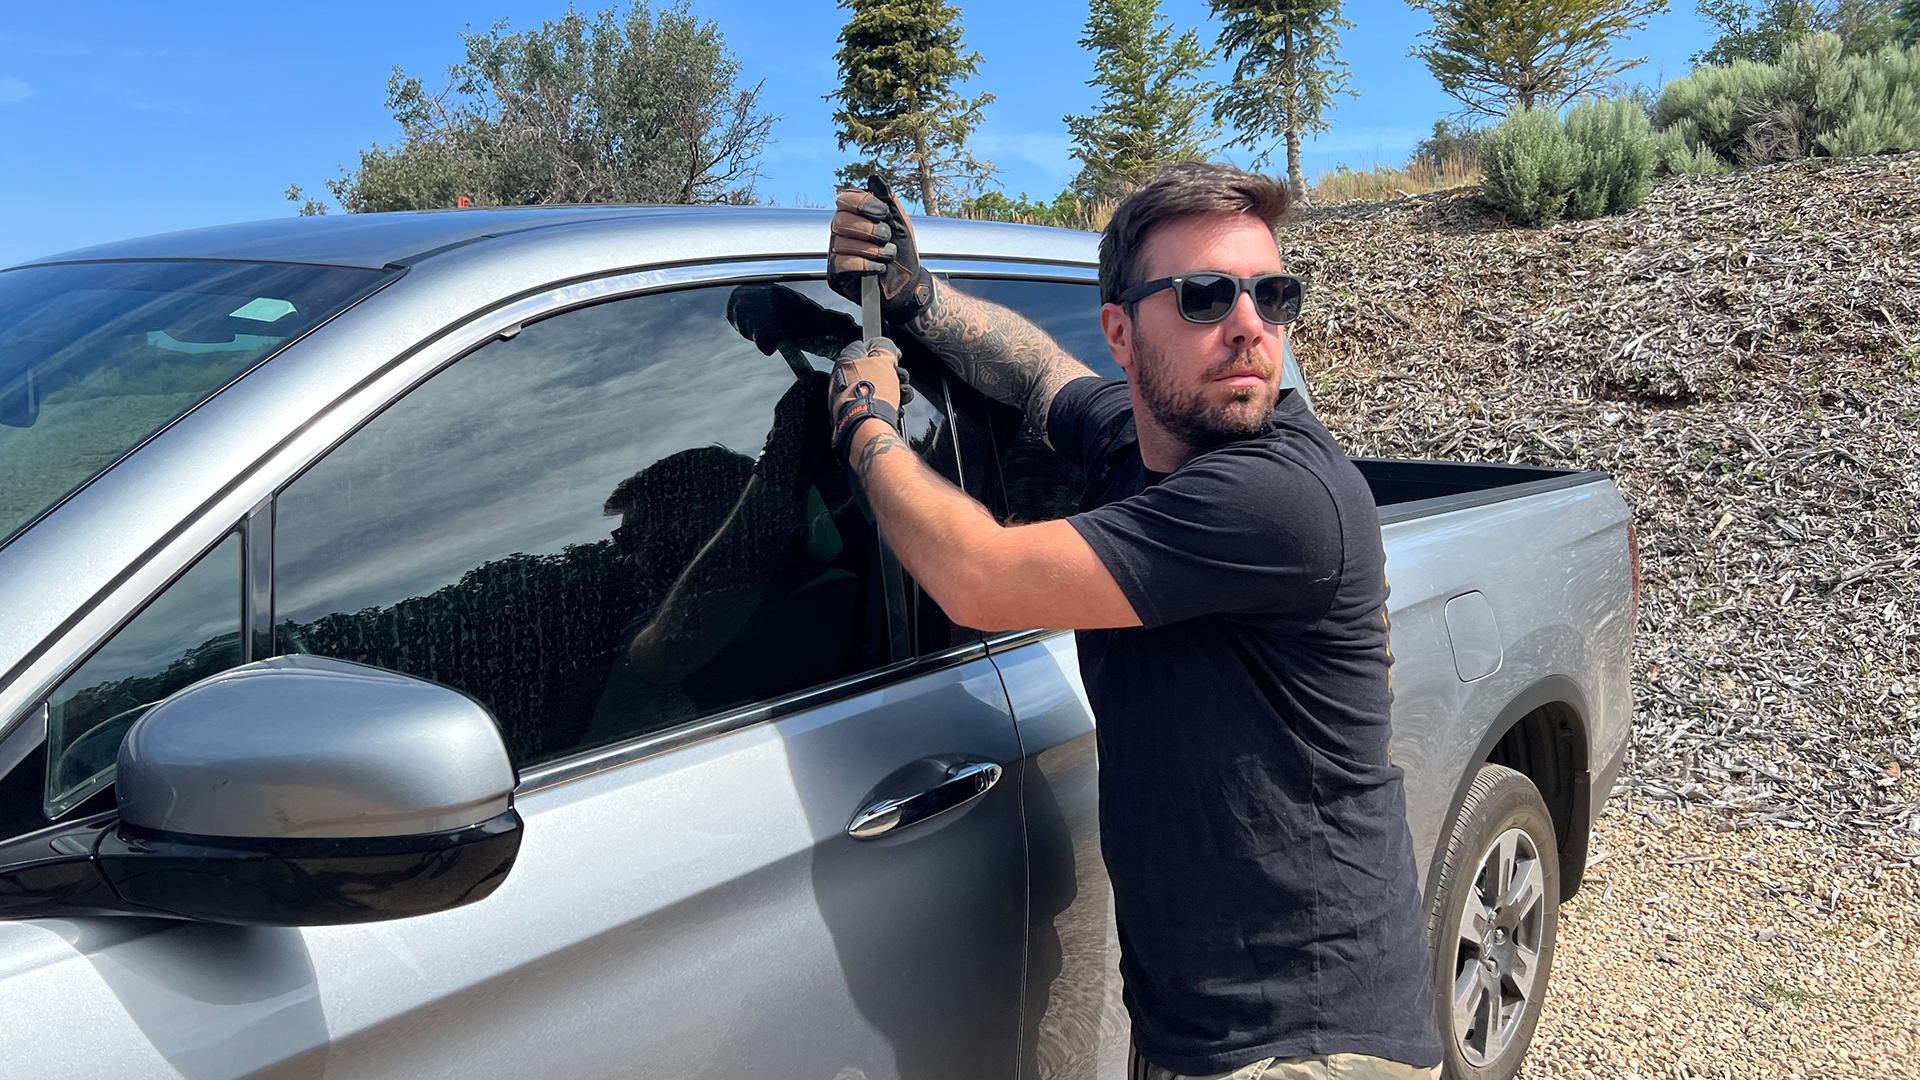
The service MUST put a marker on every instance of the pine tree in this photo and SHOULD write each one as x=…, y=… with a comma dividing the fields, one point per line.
x=1153, y=103
x=899, y=63
x=1496, y=55
x=1285, y=72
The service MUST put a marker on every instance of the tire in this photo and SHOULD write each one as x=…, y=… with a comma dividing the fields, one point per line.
x=1493, y=924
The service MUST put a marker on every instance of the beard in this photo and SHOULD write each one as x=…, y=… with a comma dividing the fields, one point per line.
x=1185, y=412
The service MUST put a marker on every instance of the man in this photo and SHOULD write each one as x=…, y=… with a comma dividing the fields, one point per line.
x=1228, y=585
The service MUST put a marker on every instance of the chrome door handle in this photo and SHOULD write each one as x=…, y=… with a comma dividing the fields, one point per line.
x=963, y=784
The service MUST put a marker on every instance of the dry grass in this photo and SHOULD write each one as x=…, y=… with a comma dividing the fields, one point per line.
x=1385, y=182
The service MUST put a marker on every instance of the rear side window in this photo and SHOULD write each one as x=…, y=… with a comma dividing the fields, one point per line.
x=623, y=518
x=95, y=357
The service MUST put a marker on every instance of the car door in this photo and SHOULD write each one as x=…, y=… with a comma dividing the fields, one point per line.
x=618, y=528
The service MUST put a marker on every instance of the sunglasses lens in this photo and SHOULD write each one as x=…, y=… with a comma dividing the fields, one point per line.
x=1278, y=298
x=1206, y=298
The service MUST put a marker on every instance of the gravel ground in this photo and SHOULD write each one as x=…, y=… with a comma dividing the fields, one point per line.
x=1743, y=355
x=1691, y=952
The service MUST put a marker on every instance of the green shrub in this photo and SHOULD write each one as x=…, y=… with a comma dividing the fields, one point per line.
x=1678, y=151
x=1881, y=110
x=1816, y=100
x=1614, y=156
x=1530, y=166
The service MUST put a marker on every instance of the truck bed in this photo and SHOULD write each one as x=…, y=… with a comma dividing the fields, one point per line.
x=1405, y=489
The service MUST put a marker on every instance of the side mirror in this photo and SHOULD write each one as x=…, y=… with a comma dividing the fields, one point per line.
x=297, y=791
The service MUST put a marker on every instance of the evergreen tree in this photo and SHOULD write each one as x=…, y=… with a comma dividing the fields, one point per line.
x=899, y=63
x=1285, y=72
x=1907, y=28
x=1760, y=35
x=1153, y=103
x=1496, y=55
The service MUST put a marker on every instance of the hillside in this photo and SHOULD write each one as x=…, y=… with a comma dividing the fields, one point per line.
x=1743, y=355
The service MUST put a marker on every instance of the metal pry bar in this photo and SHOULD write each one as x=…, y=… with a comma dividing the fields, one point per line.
x=892, y=578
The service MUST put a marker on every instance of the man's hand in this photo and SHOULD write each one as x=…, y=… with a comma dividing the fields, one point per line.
x=868, y=382
x=871, y=235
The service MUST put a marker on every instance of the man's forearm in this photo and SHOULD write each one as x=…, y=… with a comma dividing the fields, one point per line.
x=935, y=528
x=997, y=351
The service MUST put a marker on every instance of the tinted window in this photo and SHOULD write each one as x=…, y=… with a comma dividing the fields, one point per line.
x=188, y=632
x=1040, y=485
x=622, y=518
x=96, y=357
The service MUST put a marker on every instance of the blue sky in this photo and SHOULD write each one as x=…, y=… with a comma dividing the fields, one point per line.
x=122, y=119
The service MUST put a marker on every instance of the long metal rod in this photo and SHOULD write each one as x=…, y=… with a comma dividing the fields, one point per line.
x=892, y=577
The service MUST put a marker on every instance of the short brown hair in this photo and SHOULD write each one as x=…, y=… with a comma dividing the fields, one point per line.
x=1177, y=191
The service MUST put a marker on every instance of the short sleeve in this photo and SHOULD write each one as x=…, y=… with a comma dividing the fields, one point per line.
x=1086, y=416
x=1241, y=530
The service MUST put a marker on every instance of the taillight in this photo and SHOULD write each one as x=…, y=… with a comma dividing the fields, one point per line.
x=1633, y=562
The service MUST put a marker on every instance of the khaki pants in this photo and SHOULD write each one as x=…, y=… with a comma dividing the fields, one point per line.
x=1317, y=1067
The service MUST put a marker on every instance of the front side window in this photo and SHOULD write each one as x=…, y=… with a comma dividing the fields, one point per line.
x=622, y=518
x=188, y=632
x=95, y=357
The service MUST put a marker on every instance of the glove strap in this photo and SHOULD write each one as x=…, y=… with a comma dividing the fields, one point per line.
x=907, y=305
x=857, y=408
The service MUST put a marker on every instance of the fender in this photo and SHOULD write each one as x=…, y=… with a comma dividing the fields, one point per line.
x=1550, y=690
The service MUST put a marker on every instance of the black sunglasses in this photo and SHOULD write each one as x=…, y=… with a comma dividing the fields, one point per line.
x=1209, y=297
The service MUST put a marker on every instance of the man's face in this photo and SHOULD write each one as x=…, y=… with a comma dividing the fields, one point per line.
x=1204, y=383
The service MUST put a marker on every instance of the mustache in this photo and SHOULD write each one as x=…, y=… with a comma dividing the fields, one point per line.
x=1244, y=361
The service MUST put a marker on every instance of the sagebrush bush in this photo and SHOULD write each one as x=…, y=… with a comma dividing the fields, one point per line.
x=1816, y=100
x=1881, y=112
x=1613, y=156
x=1530, y=166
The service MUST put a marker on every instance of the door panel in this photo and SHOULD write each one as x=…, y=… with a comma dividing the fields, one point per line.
x=705, y=914
x=699, y=913
x=1074, y=1023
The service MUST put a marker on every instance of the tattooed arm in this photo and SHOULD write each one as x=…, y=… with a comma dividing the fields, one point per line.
x=984, y=575
x=1000, y=353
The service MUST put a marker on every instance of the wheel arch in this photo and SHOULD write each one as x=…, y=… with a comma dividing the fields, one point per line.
x=1543, y=734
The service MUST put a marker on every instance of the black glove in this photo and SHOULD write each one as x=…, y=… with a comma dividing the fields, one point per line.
x=867, y=381
x=871, y=235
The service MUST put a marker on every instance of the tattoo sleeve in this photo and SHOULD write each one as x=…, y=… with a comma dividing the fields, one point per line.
x=998, y=352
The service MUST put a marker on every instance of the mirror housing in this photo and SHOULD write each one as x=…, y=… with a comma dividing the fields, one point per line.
x=296, y=791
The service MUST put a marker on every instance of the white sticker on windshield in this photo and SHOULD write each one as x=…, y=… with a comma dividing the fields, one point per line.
x=263, y=309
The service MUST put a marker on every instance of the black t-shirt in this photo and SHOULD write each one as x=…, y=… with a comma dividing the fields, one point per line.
x=1253, y=827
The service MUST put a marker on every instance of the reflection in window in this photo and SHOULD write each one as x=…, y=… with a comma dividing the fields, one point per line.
x=1040, y=484
x=624, y=517
x=190, y=631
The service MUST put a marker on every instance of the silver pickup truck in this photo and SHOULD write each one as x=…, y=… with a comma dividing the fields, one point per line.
x=443, y=645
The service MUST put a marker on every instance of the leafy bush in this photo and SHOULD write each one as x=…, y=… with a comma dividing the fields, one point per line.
x=1530, y=166
x=1816, y=100
x=1614, y=156
x=1881, y=111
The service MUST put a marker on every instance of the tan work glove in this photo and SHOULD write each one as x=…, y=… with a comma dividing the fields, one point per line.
x=871, y=235
x=867, y=381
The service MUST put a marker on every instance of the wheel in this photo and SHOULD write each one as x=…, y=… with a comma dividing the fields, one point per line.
x=1493, y=923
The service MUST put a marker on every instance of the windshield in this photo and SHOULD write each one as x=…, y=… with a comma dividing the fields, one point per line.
x=95, y=357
